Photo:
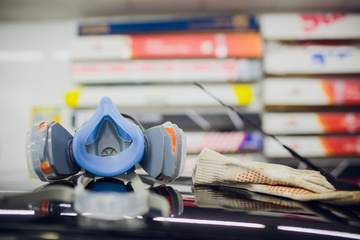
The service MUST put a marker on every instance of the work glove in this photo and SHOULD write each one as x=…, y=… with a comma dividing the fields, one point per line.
x=214, y=168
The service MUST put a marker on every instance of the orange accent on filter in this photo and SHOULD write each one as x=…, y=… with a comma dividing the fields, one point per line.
x=44, y=208
x=45, y=167
x=42, y=126
x=173, y=138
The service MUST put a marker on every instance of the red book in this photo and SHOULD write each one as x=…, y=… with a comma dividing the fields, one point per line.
x=314, y=146
x=221, y=45
x=315, y=92
x=311, y=123
x=185, y=45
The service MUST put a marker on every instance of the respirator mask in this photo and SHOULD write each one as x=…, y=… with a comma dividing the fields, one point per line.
x=107, y=145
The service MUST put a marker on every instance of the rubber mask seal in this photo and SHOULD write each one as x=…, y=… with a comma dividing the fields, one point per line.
x=108, y=144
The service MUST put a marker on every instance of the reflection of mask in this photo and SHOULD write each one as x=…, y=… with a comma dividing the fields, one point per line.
x=172, y=196
x=102, y=201
x=107, y=145
x=98, y=199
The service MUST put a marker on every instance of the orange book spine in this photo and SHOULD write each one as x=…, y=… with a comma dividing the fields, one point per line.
x=202, y=45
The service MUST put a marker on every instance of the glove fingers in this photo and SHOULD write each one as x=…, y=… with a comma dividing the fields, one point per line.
x=322, y=182
x=314, y=179
x=213, y=167
x=308, y=172
x=320, y=187
x=318, y=179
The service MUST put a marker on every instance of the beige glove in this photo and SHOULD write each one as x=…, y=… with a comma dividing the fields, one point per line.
x=212, y=167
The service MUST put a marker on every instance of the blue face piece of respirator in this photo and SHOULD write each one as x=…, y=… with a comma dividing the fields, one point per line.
x=107, y=145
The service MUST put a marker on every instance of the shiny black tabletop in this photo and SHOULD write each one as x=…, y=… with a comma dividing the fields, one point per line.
x=197, y=212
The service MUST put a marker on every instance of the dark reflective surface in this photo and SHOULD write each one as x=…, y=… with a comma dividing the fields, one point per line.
x=197, y=212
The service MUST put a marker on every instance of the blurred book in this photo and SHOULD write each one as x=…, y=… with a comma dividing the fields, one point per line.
x=296, y=26
x=313, y=146
x=185, y=45
x=310, y=58
x=311, y=123
x=49, y=113
x=191, y=160
x=311, y=92
x=188, y=119
x=311, y=96
x=169, y=70
x=167, y=95
x=224, y=142
x=234, y=22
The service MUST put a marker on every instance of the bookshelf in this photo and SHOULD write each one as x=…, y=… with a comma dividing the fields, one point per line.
x=152, y=73
x=39, y=18
x=285, y=86
x=311, y=86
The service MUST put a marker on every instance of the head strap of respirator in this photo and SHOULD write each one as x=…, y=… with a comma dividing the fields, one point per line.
x=107, y=145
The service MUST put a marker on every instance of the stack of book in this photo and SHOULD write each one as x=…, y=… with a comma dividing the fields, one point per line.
x=187, y=49
x=311, y=91
x=148, y=67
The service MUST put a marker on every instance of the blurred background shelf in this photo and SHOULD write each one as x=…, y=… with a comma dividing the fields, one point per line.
x=68, y=9
x=37, y=68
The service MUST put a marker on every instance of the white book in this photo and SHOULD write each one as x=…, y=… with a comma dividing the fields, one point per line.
x=101, y=47
x=282, y=59
x=296, y=26
x=310, y=92
x=169, y=70
x=185, y=95
x=313, y=146
x=311, y=123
